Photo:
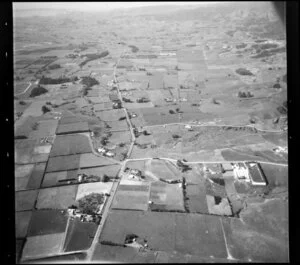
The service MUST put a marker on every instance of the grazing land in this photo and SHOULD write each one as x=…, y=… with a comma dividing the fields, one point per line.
x=155, y=133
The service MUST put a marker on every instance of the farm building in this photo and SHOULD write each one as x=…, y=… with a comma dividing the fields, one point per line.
x=241, y=172
x=256, y=174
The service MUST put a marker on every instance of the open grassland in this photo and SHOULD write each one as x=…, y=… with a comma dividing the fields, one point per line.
x=25, y=200
x=162, y=228
x=57, y=198
x=70, y=145
x=22, y=222
x=61, y=163
x=46, y=222
x=40, y=246
x=79, y=235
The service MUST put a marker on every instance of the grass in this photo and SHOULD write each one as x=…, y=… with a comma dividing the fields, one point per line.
x=22, y=223
x=276, y=175
x=258, y=236
x=91, y=160
x=36, y=176
x=88, y=188
x=25, y=200
x=111, y=115
x=72, y=128
x=61, y=163
x=57, y=198
x=127, y=200
x=168, y=195
x=114, y=253
x=44, y=222
x=79, y=235
x=196, y=199
x=39, y=246
x=70, y=145
x=183, y=233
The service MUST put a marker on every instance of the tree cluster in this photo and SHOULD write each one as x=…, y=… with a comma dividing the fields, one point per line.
x=89, y=81
x=90, y=203
x=245, y=94
x=55, y=81
x=37, y=91
x=93, y=56
x=243, y=71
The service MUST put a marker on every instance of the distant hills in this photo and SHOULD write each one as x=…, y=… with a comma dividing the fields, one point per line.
x=219, y=11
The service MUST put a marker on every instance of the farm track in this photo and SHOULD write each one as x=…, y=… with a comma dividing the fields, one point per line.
x=24, y=90
x=217, y=125
x=208, y=162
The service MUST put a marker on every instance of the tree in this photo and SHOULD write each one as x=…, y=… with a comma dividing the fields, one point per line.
x=215, y=101
x=106, y=178
x=45, y=109
x=18, y=137
x=90, y=203
x=35, y=126
x=171, y=111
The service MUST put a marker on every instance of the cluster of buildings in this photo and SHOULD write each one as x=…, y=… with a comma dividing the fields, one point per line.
x=105, y=152
x=280, y=149
x=142, y=100
x=133, y=174
x=73, y=212
x=72, y=55
x=174, y=99
x=249, y=172
x=83, y=178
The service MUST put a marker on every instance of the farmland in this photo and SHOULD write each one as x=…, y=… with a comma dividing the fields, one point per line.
x=79, y=235
x=70, y=145
x=160, y=234
x=129, y=125
x=56, y=198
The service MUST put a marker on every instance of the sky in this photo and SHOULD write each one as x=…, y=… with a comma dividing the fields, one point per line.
x=97, y=6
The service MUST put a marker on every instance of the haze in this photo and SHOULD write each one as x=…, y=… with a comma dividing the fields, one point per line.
x=98, y=6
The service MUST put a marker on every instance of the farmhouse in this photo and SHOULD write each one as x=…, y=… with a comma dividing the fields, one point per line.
x=241, y=172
